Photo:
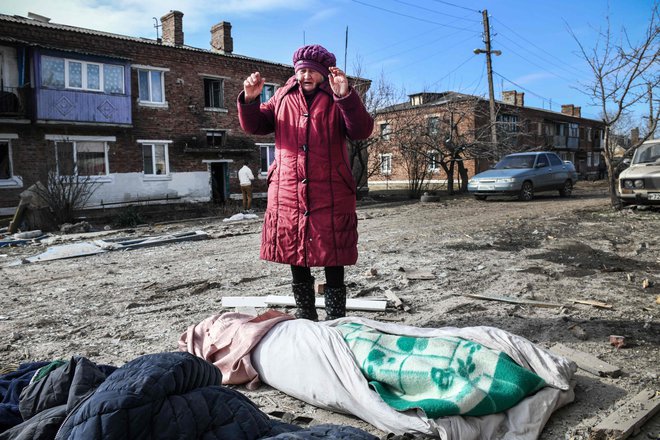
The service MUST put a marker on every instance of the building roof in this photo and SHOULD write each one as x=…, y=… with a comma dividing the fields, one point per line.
x=142, y=40
x=433, y=99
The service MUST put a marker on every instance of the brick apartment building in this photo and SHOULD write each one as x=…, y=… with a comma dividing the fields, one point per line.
x=151, y=121
x=433, y=117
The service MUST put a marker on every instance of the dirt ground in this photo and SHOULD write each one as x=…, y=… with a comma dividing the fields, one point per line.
x=116, y=306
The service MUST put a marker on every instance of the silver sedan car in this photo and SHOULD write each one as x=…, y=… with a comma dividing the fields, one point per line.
x=523, y=174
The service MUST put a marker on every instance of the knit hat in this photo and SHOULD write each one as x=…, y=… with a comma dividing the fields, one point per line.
x=314, y=57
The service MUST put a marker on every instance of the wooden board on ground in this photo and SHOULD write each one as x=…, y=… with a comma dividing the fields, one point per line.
x=528, y=302
x=586, y=361
x=589, y=302
x=280, y=300
x=628, y=418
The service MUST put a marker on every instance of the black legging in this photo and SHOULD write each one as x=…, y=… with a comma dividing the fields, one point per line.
x=334, y=275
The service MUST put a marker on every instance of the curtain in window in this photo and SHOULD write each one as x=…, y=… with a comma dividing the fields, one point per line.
x=156, y=87
x=93, y=77
x=52, y=72
x=143, y=82
x=90, y=158
x=113, y=78
x=159, y=159
x=75, y=74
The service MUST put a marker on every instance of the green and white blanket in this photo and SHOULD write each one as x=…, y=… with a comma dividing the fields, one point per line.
x=443, y=376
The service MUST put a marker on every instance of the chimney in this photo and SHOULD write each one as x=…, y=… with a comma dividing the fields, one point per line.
x=172, y=27
x=221, y=40
x=513, y=97
x=634, y=136
x=567, y=109
x=577, y=112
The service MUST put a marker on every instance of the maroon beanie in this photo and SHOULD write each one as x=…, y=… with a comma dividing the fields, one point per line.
x=314, y=57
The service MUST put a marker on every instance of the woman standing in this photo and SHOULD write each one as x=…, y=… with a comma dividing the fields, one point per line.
x=310, y=220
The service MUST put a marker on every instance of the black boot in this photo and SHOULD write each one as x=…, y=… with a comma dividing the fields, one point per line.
x=335, y=302
x=303, y=293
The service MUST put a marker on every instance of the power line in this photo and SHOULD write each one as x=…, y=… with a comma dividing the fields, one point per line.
x=528, y=41
x=426, y=57
x=563, y=67
x=457, y=6
x=427, y=43
x=436, y=12
x=454, y=70
x=523, y=88
x=412, y=16
x=532, y=62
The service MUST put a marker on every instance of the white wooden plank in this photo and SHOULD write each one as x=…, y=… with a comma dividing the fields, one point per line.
x=351, y=303
x=244, y=301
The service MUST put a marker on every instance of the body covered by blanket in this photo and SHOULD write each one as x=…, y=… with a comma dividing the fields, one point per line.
x=321, y=370
x=444, y=376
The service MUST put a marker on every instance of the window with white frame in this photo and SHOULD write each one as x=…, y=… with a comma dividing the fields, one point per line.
x=267, y=92
x=385, y=131
x=155, y=157
x=81, y=155
x=214, y=94
x=596, y=159
x=151, y=86
x=573, y=130
x=266, y=157
x=433, y=158
x=589, y=156
x=386, y=164
x=68, y=73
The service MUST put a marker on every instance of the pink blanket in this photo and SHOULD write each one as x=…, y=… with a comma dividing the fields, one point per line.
x=226, y=340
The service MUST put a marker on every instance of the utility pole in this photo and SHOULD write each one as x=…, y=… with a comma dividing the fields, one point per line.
x=651, y=110
x=491, y=91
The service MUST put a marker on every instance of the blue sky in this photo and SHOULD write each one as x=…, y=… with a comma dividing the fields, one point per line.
x=423, y=45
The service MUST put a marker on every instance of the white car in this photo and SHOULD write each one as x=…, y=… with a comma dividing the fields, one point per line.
x=639, y=184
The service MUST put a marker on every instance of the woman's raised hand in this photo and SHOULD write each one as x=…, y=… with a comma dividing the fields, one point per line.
x=338, y=82
x=252, y=86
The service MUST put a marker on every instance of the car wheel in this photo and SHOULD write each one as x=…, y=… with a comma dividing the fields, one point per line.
x=567, y=189
x=480, y=197
x=526, y=191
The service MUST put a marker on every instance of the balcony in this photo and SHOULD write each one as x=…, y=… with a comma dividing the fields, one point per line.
x=14, y=102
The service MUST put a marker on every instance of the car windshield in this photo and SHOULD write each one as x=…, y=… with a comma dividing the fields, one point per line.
x=647, y=154
x=521, y=161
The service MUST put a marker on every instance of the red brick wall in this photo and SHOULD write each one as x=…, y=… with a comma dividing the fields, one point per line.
x=183, y=119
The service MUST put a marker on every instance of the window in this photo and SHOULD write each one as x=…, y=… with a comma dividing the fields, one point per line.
x=386, y=164
x=215, y=138
x=267, y=156
x=541, y=161
x=433, y=158
x=152, y=88
x=81, y=157
x=508, y=123
x=267, y=92
x=573, y=130
x=5, y=160
x=555, y=160
x=589, y=158
x=214, y=93
x=596, y=159
x=81, y=75
x=433, y=125
x=385, y=131
x=155, y=158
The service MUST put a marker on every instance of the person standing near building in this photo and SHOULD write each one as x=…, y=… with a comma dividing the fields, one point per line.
x=310, y=220
x=246, y=177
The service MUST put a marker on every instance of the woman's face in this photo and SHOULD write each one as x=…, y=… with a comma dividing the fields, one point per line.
x=309, y=79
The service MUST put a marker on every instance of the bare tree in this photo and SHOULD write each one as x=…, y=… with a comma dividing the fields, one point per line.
x=623, y=74
x=375, y=96
x=63, y=190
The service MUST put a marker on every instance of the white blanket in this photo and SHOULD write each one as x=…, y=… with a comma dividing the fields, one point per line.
x=311, y=362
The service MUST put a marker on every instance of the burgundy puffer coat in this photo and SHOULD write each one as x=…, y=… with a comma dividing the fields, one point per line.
x=310, y=219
